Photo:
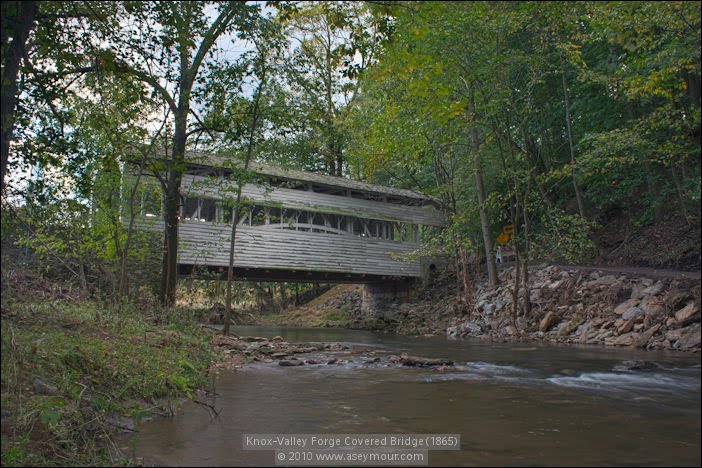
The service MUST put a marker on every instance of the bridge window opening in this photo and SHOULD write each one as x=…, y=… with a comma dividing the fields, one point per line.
x=190, y=209
x=199, y=209
x=204, y=209
x=406, y=232
x=396, y=232
x=257, y=216
x=225, y=213
x=264, y=215
x=151, y=204
x=291, y=219
x=208, y=210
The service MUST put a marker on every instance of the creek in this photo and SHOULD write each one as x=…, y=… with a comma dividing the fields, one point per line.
x=511, y=404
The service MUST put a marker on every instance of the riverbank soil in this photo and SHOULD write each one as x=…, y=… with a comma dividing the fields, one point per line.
x=76, y=373
x=336, y=308
x=670, y=244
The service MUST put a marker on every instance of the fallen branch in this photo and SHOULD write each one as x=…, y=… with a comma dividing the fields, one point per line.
x=208, y=406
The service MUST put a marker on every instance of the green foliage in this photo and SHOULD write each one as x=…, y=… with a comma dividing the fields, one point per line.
x=564, y=237
x=97, y=363
x=632, y=72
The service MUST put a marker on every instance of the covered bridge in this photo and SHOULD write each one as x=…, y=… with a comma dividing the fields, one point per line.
x=295, y=225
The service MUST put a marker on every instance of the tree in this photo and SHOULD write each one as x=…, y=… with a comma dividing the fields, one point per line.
x=165, y=44
x=333, y=42
x=426, y=94
x=17, y=23
x=261, y=69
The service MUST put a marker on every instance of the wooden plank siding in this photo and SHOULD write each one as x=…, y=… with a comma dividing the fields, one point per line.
x=198, y=186
x=209, y=160
x=205, y=243
x=344, y=208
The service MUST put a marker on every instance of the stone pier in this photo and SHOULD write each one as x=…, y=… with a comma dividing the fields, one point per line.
x=379, y=299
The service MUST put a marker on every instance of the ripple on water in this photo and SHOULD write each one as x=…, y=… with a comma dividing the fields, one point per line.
x=629, y=382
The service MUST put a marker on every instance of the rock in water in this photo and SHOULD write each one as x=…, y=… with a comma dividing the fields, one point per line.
x=290, y=362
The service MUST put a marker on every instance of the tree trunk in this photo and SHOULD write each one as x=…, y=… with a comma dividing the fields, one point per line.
x=237, y=208
x=21, y=24
x=514, y=216
x=480, y=188
x=123, y=285
x=467, y=286
x=283, y=296
x=457, y=267
x=525, y=256
x=578, y=192
x=172, y=205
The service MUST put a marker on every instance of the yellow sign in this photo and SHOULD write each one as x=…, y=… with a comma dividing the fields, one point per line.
x=506, y=234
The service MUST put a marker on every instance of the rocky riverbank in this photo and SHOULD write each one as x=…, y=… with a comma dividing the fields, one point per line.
x=237, y=351
x=569, y=305
x=598, y=308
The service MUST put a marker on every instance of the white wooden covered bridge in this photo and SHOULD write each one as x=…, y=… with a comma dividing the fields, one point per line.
x=295, y=225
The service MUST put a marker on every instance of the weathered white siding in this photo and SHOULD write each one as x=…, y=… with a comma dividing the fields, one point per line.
x=194, y=186
x=204, y=243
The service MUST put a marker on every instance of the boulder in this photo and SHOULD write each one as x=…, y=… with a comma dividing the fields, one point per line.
x=43, y=388
x=567, y=328
x=606, y=280
x=654, y=289
x=584, y=333
x=463, y=329
x=627, y=339
x=290, y=362
x=674, y=335
x=633, y=312
x=627, y=325
x=645, y=337
x=687, y=314
x=637, y=292
x=414, y=361
x=636, y=365
x=691, y=338
x=548, y=321
x=652, y=307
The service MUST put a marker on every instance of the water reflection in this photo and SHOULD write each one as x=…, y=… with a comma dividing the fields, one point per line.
x=511, y=404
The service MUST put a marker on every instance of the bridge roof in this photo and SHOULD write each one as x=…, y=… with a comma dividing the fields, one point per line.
x=222, y=161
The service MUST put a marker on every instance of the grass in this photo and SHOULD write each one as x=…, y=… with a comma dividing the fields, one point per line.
x=310, y=317
x=316, y=313
x=70, y=370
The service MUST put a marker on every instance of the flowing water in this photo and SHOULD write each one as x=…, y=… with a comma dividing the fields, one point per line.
x=512, y=404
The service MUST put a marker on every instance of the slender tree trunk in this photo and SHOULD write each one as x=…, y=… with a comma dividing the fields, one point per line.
x=578, y=192
x=525, y=256
x=21, y=23
x=123, y=284
x=237, y=208
x=480, y=188
x=514, y=216
x=467, y=286
x=172, y=204
x=459, y=285
x=283, y=296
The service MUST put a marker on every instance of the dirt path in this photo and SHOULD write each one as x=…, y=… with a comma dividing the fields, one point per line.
x=631, y=271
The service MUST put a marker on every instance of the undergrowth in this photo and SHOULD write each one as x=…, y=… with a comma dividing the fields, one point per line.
x=72, y=371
